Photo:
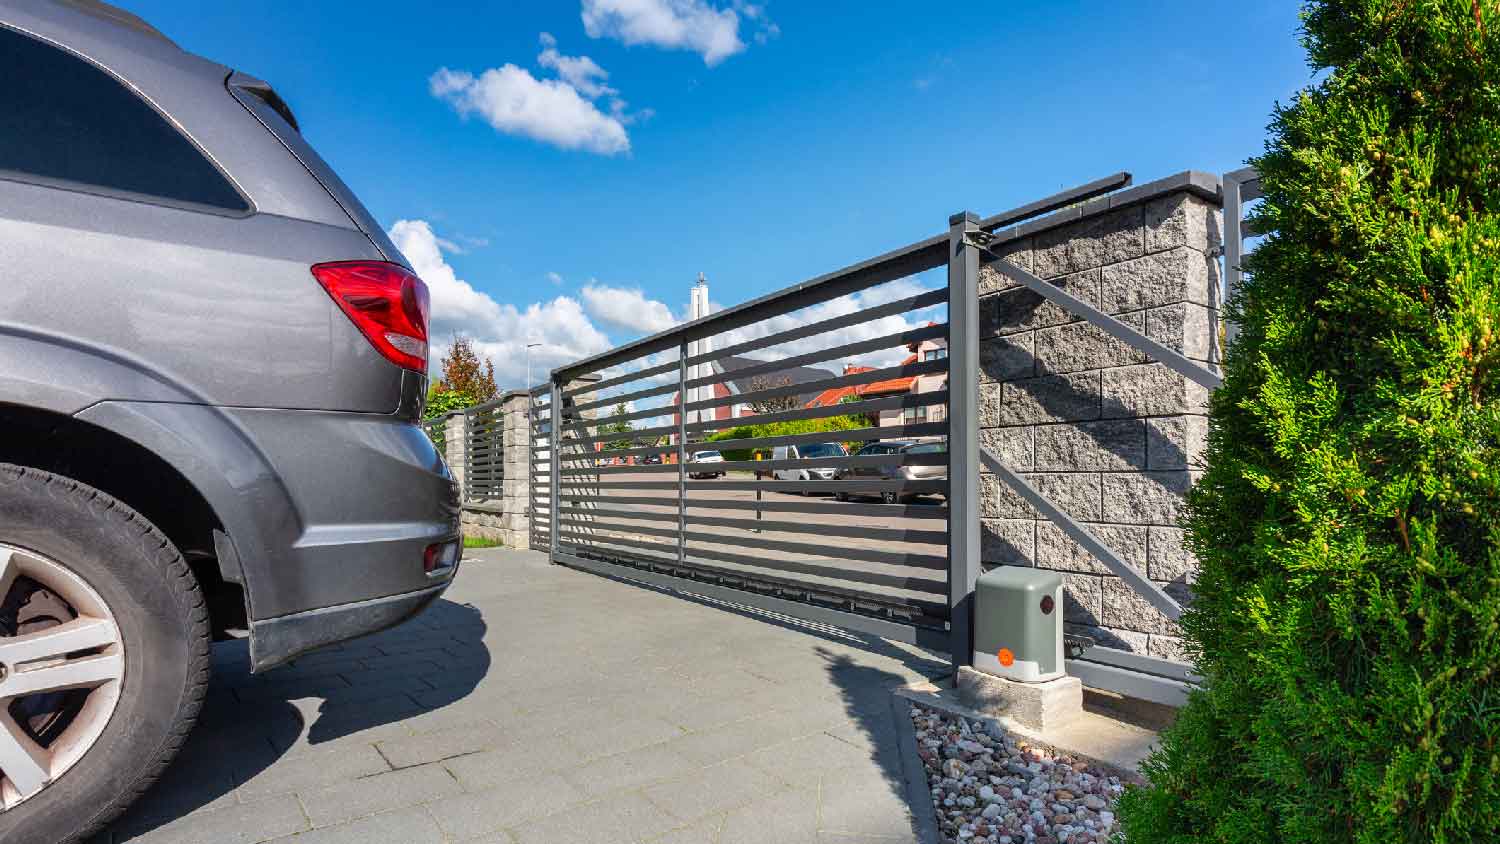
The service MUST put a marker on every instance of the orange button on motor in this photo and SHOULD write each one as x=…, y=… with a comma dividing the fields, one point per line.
x=1006, y=658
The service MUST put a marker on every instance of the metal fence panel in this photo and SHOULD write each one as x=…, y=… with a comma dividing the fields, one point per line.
x=704, y=523
x=484, y=452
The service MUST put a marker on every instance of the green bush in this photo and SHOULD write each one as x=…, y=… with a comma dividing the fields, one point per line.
x=831, y=424
x=1348, y=525
x=441, y=402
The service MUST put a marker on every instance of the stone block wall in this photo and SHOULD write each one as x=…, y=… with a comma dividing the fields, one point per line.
x=455, y=429
x=1110, y=438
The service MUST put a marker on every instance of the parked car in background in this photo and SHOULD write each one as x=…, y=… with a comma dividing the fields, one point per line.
x=893, y=472
x=651, y=460
x=807, y=451
x=212, y=366
x=701, y=459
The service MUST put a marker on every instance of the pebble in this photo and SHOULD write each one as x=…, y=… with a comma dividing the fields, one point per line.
x=993, y=789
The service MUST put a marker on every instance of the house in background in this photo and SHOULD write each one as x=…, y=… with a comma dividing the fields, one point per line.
x=732, y=385
x=935, y=349
x=727, y=383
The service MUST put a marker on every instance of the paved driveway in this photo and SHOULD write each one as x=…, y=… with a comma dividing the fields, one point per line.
x=541, y=704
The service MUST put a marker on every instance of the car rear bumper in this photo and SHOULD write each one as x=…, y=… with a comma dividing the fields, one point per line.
x=319, y=509
x=371, y=494
x=276, y=640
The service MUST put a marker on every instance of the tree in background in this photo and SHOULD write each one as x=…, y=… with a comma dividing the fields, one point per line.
x=616, y=425
x=759, y=383
x=464, y=383
x=464, y=373
x=831, y=425
x=1348, y=525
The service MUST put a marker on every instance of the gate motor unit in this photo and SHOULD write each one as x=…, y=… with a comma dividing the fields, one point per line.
x=1018, y=625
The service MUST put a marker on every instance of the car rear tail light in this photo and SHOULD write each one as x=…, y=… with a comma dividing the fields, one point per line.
x=386, y=302
x=439, y=557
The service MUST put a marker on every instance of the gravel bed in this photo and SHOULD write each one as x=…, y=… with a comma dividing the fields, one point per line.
x=989, y=788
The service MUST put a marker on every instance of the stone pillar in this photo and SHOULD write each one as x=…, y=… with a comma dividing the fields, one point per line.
x=1110, y=438
x=516, y=503
x=455, y=430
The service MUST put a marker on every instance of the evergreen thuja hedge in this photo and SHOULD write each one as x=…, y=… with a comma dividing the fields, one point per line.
x=1348, y=524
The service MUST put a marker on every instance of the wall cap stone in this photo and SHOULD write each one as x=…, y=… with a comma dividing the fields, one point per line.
x=1203, y=185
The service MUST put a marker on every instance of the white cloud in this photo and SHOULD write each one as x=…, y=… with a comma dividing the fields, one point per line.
x=568, y=328
x=553, y=111
x=581, y=72
x=697, y=25
x=500, y=331
x=555, y=278
x=626, y=308
x=843, y=305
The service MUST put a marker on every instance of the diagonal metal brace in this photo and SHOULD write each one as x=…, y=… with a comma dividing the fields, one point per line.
x=1119, y=330
x=1080, y=534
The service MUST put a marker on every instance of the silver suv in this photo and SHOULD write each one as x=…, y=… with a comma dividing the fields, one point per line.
x=211, y=360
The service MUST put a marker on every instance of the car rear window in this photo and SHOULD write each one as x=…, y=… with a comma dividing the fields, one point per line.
x=68, y=123
x=928, y=448
x=820, y=450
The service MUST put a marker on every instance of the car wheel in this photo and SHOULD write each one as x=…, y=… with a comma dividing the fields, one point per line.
x=103, y=656
x=841, y=496
x=888, y=497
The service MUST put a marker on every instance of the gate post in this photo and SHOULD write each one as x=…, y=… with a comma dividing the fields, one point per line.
x=555, y=466
x=963, y=435
x=682, y=403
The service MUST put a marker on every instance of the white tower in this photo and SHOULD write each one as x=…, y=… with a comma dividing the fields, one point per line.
x=697, y=309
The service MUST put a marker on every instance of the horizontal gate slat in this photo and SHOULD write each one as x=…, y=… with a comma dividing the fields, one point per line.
x=929, y=561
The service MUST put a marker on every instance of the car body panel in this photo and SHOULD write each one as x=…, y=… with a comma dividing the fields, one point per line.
x=226, y=308
x=323, y=508
x=201, y=335
x=240, y=86
x=702, y=460
x=792, y=452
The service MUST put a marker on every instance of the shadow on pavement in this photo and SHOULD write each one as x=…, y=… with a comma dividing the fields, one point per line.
x=866, y=691
x=261, y=735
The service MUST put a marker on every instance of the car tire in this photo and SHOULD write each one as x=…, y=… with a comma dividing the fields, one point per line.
x=137, y=579
x=841, y=496
x=888, y=497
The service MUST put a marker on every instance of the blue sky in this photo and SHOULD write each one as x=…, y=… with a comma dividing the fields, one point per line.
x=760, y=144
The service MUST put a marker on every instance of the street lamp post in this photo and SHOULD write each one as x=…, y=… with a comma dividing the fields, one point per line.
x=529, y=347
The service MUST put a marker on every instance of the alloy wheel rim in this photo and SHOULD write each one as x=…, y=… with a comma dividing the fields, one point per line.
x=80, y=661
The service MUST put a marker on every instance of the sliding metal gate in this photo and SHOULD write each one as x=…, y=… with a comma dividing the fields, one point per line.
x=538, y=469
x=633, y=494
x=765, y=527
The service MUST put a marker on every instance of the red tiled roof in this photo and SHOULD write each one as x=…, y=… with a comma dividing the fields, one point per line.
x=891, y=385
x=829, y=398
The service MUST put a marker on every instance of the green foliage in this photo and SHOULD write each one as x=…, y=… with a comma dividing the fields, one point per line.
x=482, y=542
x=1348, y=525
x=617, y=426
x=441, y=402
x=832, y=424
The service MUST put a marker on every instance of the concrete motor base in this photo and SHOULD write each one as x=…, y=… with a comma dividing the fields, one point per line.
x=1037, y=706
